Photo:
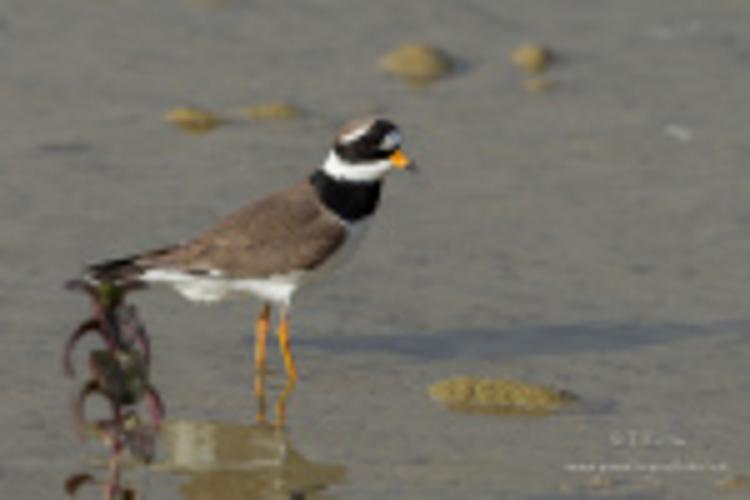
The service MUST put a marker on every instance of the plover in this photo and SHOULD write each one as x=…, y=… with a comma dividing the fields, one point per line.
x=272, y=247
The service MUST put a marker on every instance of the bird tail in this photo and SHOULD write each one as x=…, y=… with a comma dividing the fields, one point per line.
x=115, y=270
x=124, y=269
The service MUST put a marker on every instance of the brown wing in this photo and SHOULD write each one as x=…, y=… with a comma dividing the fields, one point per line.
x=286, y=231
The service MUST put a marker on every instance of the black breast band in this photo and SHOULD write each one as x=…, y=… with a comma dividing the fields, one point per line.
x=350, y=200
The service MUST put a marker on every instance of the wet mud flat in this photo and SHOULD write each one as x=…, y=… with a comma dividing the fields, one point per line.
x=589, y=235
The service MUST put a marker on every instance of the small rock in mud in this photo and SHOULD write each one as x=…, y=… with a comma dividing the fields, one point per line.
x=531, y=57
x=498, y=396
x=417, y=63
x=193, y=119
x=539, y=85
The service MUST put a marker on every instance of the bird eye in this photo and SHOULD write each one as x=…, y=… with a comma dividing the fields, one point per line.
x=391, y=141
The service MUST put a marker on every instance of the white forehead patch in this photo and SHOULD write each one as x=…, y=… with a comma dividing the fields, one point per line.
x=356, y=133
x=391, y=141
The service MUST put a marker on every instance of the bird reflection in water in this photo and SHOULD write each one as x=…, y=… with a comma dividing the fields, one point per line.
x=235, y=461
x=221, y=460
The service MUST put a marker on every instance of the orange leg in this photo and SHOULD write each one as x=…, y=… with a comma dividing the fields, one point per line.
x=280, y=406
x=260, y=396
x=281, y=403
x=285, y=345
x=261, y=332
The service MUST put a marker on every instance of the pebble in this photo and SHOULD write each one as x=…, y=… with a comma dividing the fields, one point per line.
x=193, y=119
x=417, y=63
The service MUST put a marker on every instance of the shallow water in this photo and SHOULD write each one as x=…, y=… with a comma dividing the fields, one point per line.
x=568, y=238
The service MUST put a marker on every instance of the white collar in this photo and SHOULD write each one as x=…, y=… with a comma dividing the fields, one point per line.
x=340, y=169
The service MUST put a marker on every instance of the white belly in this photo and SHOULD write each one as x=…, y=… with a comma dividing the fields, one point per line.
x=278, y=289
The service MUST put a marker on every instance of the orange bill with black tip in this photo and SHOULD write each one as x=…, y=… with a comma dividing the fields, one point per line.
x=400, y=161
